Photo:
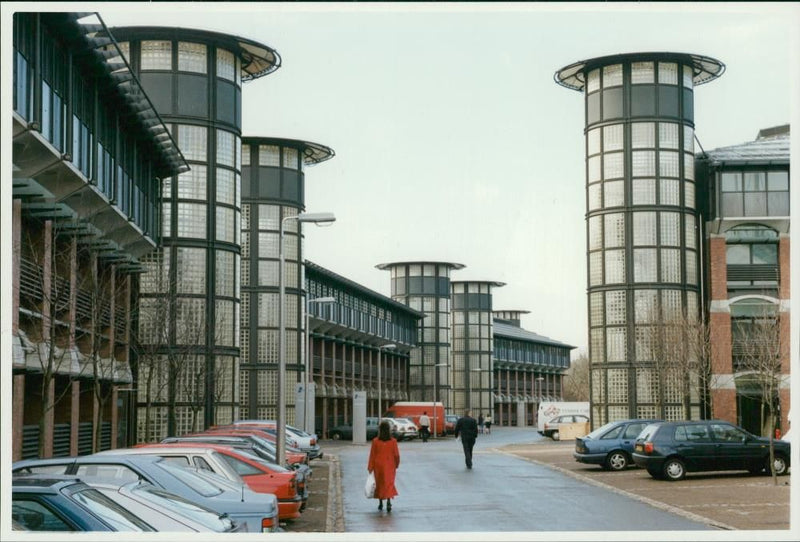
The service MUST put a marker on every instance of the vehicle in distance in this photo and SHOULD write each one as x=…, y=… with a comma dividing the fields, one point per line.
x=611, y=445
x=64, y=503
x=402, y=428
x=450, y=421
x=552, y=428
x=668, y=450
x=345, y=431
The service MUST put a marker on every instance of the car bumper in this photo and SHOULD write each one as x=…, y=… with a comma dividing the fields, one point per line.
x=647, y=461
x=290, y=508
x=591, y=459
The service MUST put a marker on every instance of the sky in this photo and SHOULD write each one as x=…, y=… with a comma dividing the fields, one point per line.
x=453, y=142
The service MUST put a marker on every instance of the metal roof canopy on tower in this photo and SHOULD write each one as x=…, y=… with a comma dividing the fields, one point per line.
x=705, y=68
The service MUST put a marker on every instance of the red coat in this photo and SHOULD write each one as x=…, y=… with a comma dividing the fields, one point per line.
x=384, y=458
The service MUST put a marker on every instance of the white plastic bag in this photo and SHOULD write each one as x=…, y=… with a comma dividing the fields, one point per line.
x=369, y=487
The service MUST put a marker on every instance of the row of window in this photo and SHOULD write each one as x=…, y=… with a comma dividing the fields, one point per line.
x=650, y=306
x=193, y=142
x=191, y=57
x=642, y=136
x=656, y=228
x=610, y=194
x=666, y=73
x=643, y=164
x=524, y=352
x=417, y=270
x=191, y=221
x=272, y=156
x=754, y=193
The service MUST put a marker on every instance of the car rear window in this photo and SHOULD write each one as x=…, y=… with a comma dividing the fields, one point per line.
x=120, y=473
x=111, y=512
x=633, y=430
x=35, y=516
x=648, y=432
x=194, y=482
x=614, y=433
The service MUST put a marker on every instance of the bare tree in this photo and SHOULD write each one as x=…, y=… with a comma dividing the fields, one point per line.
x=759, y=355
x=576, y=380
x=46, y=294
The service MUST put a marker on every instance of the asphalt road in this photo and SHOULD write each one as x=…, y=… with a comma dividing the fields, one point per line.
x=502, y=493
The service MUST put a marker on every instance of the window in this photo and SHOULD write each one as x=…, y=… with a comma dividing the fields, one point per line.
x=643, y=163
x=754, y=193
x=192, y=57
x=35, y=516
x=192, y=183
x=670, y=191
x=593, y=81
x=643, y=135
x=643, y=191
x=614, y=230
x=269, y=155
x=644, y=228
x=290, y=158
x=614, y=193
x=593, y=142
x=191, y=220
x=156, y=55
x=225, y=148
x=612, y=75
x=192, y=141
x=667, y=135
x=696, y=433
x=612, y=138
x=642, y=72
x=667, y=73
x=226, y=64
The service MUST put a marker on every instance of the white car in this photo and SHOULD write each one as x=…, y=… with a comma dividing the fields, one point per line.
x=402, y=428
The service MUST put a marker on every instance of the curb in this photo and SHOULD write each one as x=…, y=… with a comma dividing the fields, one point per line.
x=656, y=504
x=334, y=522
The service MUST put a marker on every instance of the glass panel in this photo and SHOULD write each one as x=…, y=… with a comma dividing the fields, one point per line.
x=224, y=275
x=192, y=57
x=670, y=229
x=691, y=231
x=755, y=204
x=290, y=158
x=613, y=165
x=688, y=139
x=668, y=164
x=691, y=267
x=226, y=192
x=192, y=141
x=225, y=224
x=688, y=192
x=616, y=342
x=688, y=166
x=643, y=135
x=670, y=265
x=644, y=191
x=594, y=196
x=643, y=163
x=642, y=72
x=191, y=220
x=612, y=138
x=765, y=254
x=778, y=180
x=615, y=307
x=595, y=268
x=192, y=184
x=190, y=267
x=668, y=73
x=645, y=265
x=644, y=228
x=644, y=302
x=269, y=155
x=156, y=55
x=594, y=168
x=614, y=193
x=595, y=232
x=731, y=182
x=225, y=148
x=612, y=75
x=688, y=77
x=669, y=191
x=755, y=181
x=615, y=266
x=226, y=65
x=667, y=135
x=614, y=225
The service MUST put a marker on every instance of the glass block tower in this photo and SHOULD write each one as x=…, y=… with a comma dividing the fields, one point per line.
x=190, y=296
x=472, y=347
x=642, y=228
x=273, y=188
x=425, y=287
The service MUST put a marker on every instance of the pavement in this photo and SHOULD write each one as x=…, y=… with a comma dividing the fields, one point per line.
x=725, y=501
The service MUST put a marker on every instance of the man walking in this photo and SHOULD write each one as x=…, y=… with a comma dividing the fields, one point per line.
x=467, y=428
x=424, y=424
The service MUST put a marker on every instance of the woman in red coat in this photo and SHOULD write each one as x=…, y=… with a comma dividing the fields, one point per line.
x=384, y=458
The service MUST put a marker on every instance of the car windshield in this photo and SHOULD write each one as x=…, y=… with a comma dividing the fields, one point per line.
x=200, y=514
x=203, y=487
x=112, y=513
x=600, y=430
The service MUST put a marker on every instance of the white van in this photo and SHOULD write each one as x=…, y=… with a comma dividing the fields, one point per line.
x=550, y=409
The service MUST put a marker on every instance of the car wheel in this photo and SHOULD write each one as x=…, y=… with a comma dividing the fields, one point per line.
x=779, y=465
x=617, y=460
x=674, y=469
x=555, y=435
x=336, y=436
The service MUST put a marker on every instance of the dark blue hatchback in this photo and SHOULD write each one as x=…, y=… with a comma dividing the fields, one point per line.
x=611, y=445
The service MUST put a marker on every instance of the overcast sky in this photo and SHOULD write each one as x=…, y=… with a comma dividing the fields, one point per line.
x=452, y=140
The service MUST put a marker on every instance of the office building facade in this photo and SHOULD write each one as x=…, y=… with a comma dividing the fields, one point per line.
x=89, y=154
x=643, y=231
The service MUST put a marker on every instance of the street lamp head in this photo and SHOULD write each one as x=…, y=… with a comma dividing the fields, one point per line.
x=316, y=218
x=322, y=300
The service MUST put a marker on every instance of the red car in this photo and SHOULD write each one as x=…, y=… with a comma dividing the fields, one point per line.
x=292, y=457
x=260, y=476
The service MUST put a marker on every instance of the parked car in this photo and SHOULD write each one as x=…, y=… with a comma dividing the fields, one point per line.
x=671, y=449
x=299, y=439
x=248, y=441
x=552, y=427
x=450, y=423
x=402, y=428
x=65, y=503
x=611, y=445
x=236, y=465
x=164, y=511
x=256, y=512
x=345, y=431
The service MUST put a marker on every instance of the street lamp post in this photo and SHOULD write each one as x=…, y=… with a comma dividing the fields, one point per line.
x=436, y=393
x=389, y=346
x=280, y=445
x=308, y=360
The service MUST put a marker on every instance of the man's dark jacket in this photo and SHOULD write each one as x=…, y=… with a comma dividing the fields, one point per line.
x=467, y=427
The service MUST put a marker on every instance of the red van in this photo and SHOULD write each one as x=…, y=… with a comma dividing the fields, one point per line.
x=414, y=409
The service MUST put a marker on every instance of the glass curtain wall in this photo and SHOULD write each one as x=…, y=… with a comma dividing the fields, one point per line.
x=642, y=232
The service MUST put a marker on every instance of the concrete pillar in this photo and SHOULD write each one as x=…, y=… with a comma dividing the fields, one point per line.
x=17, y=410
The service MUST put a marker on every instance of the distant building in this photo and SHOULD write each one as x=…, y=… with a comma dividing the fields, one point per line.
x=747, y=230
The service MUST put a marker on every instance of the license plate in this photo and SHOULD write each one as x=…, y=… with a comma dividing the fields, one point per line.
x=638, y=448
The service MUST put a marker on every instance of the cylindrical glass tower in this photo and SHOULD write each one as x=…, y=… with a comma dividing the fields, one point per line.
x=642, y=227
x=425, y=287
x=273, y=187
x=190, y=296
x=472, y=347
